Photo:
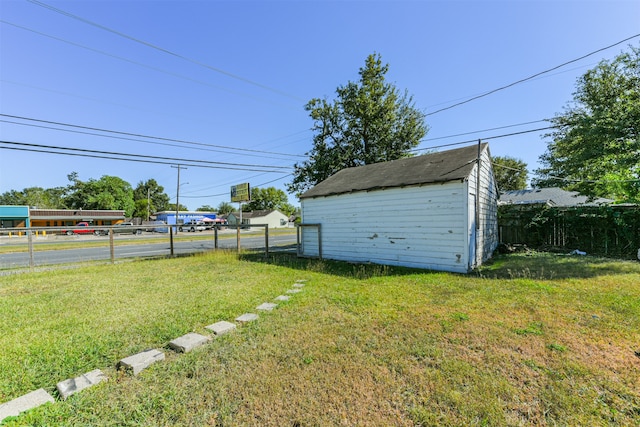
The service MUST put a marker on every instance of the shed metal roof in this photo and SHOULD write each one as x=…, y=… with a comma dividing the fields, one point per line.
x=444, y=166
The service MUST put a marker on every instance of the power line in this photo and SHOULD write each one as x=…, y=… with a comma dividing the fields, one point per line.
x=576, y=181
x=547, y=76
x=483, y=130
x=133, y=139
x=590, y=181
x=261, y=151
x=160, y=70
x=163, y=50
x=149, y=136
x=138, y=157
x=488, y=137
x=261, y=166
x=226, y=193
x=530, y=77
x=509, y=167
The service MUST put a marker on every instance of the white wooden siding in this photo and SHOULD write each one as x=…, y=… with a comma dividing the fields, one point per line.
x=487, y=231
x=419, y=226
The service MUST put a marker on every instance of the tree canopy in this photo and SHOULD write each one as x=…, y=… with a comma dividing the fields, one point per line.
x=268, y=199
x=225, y=208
x=172, y=207
x=36, y=197
x=370, y=121
x=108, y=192
x=595, y=147
x=149, y=197
x=510, y=173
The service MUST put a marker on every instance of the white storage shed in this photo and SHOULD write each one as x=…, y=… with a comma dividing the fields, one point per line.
x=423, y=212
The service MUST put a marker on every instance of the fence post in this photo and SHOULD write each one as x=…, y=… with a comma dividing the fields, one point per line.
x=171, y=239
x=30, y=240
x=266, y=240
x=215, y=236
x=238, y=237
x=111, y=248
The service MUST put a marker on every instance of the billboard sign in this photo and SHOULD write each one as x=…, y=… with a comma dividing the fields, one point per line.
x=241, y=193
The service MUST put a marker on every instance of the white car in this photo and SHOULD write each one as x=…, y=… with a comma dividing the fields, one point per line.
x=192, y=226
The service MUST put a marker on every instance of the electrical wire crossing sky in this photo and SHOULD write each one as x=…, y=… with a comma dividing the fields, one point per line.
x=130, y=88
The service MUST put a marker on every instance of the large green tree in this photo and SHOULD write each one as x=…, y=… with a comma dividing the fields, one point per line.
x=370, y=121
x=108, y=192
x=268, y=199
x=510, y=173
x=595, y=147
x=149, y=197
x=37, y=197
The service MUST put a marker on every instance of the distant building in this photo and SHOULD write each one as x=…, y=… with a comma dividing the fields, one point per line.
x=14, y=216
x=273, y=218
x=169, y=217
x=70, y=217
x=23, y=216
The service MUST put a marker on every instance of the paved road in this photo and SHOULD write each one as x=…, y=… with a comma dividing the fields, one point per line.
x=42, y=256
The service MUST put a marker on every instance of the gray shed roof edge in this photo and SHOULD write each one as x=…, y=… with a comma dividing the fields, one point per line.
x=379, y=188
x=457, y=165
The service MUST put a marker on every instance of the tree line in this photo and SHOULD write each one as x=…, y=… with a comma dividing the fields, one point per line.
x=114, y=193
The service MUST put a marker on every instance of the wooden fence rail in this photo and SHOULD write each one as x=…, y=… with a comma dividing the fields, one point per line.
x=612, y=230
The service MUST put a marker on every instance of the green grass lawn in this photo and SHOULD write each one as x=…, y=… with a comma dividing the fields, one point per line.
x=530, y=340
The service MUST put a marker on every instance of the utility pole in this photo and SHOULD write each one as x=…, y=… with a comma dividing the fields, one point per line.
x=178, y=194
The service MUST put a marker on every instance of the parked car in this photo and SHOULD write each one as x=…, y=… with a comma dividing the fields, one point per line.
x=83, y=228
x=125, y=228
x=192, y=226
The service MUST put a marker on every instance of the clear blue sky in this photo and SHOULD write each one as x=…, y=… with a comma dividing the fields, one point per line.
x=238, y=73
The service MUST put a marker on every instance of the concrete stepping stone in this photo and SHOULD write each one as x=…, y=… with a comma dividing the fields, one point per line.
x=298, y=285
x=188, y=342
x=73, y=385
x=266, y=306
x=222, y=327
x=294, y=291
x=15, y=407
x=141, y=361
x=301, y=280
x=247, y=317
x=283, y=298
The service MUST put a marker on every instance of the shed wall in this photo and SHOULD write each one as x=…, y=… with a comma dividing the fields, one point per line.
x=419, y=226
x=487, y=229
